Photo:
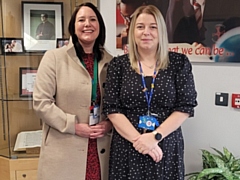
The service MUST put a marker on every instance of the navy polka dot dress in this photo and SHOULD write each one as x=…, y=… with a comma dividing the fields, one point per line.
x=174, y=91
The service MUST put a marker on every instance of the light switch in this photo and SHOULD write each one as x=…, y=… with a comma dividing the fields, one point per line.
x=221, y=99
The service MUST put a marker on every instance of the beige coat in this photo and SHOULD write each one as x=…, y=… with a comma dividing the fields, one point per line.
x=61, y=98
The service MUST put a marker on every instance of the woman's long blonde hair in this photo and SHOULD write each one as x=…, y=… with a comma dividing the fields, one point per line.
x=162, y=50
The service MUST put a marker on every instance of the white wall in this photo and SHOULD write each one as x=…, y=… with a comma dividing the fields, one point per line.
x=108, y=11
x=212, y=126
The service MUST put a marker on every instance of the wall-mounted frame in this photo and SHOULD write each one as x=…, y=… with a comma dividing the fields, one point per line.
x=11, y=46
x=42, y=25
x=61, y=42
x=27, y=77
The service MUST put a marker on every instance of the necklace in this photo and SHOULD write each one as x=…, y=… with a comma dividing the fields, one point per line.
x=151, y=67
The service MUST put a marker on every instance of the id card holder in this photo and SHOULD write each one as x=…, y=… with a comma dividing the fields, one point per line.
x=94, y=115
x=148, y=122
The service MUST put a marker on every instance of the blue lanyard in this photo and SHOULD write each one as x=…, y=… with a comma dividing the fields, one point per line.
x=145, y=90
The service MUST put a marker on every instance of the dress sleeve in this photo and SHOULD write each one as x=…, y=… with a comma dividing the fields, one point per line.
x=185, y=88
x=111, y=99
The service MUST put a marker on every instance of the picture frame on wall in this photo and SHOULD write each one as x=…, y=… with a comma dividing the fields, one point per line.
x=27, y=77
x=42, y=25
x=11, y=46
x=62, y=42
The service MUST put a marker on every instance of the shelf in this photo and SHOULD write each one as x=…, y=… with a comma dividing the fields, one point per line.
x=24, y=54
x=16, y=98
x=16, y=155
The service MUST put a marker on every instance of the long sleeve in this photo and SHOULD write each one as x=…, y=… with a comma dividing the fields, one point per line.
x=44, y=102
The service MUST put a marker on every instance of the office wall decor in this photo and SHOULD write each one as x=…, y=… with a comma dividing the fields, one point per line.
x=206, y=31
x=42, y=25
x=11, y=46
x=27, y=77
x=61, y=42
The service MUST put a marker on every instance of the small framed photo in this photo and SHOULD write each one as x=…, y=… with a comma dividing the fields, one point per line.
x=61, y=42
x=42, y=25
x=11, y=45
x=27, y=77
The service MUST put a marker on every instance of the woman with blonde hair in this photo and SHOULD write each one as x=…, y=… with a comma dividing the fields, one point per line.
x=149, y=93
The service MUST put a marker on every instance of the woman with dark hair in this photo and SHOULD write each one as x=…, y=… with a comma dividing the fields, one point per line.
x=67, y=97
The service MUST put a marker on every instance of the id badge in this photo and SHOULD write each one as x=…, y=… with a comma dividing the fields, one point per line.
x=94, y=115
x=148, y=122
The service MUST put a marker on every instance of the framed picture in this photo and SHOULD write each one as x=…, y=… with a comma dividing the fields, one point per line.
x=27, y=77
x=42, y=25
x=11, y=45
x=61, y=42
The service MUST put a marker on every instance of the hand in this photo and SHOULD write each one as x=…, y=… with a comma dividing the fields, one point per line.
x=156, y=153
x=39, y=35
x=100, y=129
x=124, y=32
x=83, y=130
x=199, y=46
x=93, y=132
x=145, y=143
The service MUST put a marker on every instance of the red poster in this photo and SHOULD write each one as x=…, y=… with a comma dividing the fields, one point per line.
x=204, y=30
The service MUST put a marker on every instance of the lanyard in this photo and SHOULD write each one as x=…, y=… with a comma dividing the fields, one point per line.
x=94, y=80
x=148, y=98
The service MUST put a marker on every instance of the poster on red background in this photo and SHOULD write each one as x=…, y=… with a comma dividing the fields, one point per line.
x=204, y=30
